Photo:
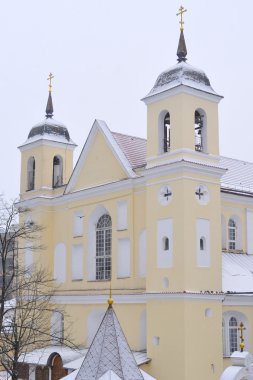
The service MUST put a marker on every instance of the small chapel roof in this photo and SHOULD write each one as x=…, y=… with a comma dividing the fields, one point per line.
x=109, y=351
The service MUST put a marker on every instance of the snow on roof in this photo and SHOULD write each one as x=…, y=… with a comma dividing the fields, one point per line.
x=4, y=375
x=134, y=148
x=181, y=74
x=237, y=272
x=109, y=350
x=140, y=357
x=109, y=375
x=239, y=175
x=41, y=355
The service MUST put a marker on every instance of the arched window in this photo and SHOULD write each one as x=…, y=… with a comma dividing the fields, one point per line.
x=57, y=171
x=103, y=247
x=230, y=331
x=202, y=244
x=231, y=234
x=166, y=133
x=30, y=173
x=199, y=131
x=233, y=335
x=166, y=243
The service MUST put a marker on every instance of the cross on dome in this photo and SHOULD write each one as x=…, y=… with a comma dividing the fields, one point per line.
x=182, y=10
x=50, y=77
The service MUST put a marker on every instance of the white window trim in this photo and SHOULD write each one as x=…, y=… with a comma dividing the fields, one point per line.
x=240, y=317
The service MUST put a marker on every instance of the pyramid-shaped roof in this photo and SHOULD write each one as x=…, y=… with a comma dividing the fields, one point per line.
x=109, y=351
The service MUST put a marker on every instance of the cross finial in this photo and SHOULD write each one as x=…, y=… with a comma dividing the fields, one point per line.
x=50, y=77
x=182, y=10
x=241, y=329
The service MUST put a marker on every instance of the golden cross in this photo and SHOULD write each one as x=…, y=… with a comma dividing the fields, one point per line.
x=241, y=328
x=50, y=81
x=181, y=11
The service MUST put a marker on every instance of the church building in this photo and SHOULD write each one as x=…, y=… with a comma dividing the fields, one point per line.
x=167, y=221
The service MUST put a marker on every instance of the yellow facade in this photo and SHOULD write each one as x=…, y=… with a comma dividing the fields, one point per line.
x=166, y=250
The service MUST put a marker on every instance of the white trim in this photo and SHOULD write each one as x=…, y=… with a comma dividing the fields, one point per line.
x=106, y=189
x=238, y=300
x=237, y=198
x=183, y=164
x=101, y=126
x=184, y=151
x=132, y=298
x=181, y=88
x=40, y=142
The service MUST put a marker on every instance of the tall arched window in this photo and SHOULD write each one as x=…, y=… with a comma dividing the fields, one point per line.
x=231, y=234
x=233, y=335
x=230, y=331
x=30, y=173
x=166, y=133
x=57, y=171
x=103, y=247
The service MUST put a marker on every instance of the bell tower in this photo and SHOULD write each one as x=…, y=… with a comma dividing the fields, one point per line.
x=183, y=215
x=46, y=155
x=182, y=113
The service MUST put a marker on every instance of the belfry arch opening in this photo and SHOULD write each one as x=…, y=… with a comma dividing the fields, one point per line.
x=200, y=131
x=57, y=171
x=30, y=173
x=164, y=132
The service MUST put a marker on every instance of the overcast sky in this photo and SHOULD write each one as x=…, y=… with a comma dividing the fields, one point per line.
x=106, y=55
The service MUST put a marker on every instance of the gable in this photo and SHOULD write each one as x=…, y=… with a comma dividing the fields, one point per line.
x=100, y=165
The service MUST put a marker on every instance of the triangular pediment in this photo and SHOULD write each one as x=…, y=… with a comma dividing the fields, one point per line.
x=101, y=161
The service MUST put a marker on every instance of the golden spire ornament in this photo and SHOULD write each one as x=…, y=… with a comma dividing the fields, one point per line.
x=110, y=299
x=241, y=329
x=182, y=10
x=50, y=77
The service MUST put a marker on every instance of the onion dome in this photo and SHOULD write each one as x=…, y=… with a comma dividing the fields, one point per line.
x=182, y=74
x=49, y=128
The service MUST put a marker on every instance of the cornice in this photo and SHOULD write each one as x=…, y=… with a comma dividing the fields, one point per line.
x=181, y=89
x=238, y=299
x=44, y=142
x=142, y=298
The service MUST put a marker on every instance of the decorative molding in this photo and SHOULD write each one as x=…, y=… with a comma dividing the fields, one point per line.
x=181, y=89
x=238, y=299
x=133, y=298
x=51, y=143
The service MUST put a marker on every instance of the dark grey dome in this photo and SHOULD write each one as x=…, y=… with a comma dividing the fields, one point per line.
x=182, y=74
x=49, y=127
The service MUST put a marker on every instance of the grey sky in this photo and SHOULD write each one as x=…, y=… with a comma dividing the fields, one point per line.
x=106, y=55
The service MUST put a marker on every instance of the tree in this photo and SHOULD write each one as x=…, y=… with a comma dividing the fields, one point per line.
x=27, y=314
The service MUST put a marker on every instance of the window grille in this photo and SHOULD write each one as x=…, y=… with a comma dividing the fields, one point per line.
x=103, y=247
x=233, y=335
x=231, y=234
